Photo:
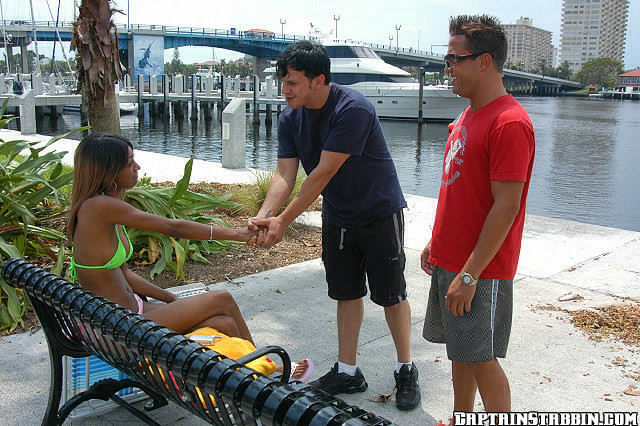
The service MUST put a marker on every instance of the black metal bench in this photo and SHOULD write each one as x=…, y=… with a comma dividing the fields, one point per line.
x=164, y=364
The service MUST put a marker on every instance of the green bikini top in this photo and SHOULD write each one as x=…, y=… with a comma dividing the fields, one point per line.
x=116, y=261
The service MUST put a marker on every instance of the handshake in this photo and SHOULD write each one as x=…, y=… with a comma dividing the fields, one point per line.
x=264, y=232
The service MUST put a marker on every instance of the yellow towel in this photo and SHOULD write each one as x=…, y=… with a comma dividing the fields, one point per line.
x=234, y=348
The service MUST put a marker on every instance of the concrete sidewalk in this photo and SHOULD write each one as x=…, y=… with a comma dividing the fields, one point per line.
x=551, y=365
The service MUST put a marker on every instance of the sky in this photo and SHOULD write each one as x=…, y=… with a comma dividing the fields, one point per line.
x=423, y=24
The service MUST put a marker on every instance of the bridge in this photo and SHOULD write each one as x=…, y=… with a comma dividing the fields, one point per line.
x=262, y=46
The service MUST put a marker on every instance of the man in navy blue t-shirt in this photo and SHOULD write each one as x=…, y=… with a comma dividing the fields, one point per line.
x=335, y=133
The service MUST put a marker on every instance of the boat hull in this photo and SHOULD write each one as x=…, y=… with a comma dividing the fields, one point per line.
x=401, y=101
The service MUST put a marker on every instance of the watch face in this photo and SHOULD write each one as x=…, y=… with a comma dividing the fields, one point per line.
x=466, y=279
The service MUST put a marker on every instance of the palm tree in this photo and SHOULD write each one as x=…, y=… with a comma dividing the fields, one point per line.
x=95, y=38
x=542, y=66
x=565, y=71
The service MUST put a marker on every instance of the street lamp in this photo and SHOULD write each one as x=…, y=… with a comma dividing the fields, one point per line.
x=336, y=18
x=397, y=35
x=282, y=22
x=390, y=39
x=431, y=48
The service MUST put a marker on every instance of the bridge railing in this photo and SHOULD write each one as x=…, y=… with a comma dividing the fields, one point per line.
x=410, y=50
x=201, y=31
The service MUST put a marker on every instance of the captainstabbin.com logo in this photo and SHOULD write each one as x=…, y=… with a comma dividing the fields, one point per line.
x=534, y=418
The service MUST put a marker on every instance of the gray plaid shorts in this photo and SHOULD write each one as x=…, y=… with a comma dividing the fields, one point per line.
x=481, y=334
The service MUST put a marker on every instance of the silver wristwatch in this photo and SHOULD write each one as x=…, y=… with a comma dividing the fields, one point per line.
x=468, y=278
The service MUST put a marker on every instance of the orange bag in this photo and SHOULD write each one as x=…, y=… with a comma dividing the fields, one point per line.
x=234, y=348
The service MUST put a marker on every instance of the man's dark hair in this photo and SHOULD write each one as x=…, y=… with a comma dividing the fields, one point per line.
x=483, y=34
x=310, y=58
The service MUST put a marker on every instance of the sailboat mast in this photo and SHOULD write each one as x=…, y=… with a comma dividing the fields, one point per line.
x=4, y=34
x=35, y=39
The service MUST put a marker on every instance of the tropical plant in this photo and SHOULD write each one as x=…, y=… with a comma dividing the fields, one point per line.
x=95, y=38
x=176, y=203
x=32, y=184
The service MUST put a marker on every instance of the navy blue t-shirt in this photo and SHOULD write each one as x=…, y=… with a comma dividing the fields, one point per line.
x=366, y=188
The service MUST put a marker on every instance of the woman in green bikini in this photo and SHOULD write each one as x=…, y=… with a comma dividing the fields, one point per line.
x=104, y=169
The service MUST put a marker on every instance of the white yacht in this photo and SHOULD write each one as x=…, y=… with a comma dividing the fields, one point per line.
x=390, y=89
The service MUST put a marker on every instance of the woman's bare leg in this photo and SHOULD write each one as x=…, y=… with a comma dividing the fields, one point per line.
x=216, y=309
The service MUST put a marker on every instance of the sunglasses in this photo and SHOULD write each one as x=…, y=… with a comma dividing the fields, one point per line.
x=451, y=60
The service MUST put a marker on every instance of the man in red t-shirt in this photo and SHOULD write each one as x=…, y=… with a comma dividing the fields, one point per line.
x=475, y=245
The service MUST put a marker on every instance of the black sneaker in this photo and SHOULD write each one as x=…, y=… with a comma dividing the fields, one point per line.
x=408, y=394
x=334, y=383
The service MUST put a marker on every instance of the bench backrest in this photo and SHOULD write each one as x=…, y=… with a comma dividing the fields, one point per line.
x=216, y=388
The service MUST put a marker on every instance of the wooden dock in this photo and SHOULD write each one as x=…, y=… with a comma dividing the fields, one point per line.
x=171, y=95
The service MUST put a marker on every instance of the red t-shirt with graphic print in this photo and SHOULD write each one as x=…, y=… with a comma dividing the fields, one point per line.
x=493, y=143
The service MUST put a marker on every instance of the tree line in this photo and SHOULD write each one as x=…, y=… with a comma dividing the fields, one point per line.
x=600, y=72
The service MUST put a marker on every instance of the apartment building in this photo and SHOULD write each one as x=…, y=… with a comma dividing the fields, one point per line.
x=527, y=44
x=593, y=29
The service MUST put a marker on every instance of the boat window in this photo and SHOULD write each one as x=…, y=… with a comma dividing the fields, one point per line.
x=351, y=52
x=352, y=78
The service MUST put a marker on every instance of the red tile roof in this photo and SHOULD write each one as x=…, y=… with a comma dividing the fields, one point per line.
x=634, y=73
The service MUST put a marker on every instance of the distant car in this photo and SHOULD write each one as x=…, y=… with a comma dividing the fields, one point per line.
x=256, y=32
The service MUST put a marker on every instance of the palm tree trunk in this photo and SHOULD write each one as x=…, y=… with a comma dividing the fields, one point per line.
x=95, y=38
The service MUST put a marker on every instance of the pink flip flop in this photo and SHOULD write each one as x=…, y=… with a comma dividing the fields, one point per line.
x=306, y=375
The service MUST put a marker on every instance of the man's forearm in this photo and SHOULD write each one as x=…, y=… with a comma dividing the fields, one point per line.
x=493, y=234
x=309, y=192
x=496, y=226
x=278, y=193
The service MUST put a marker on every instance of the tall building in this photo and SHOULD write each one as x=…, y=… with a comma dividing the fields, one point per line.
x=527, y=44
x=593, y=29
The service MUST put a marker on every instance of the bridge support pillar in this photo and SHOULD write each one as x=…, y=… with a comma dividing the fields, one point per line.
x=25, y=59
x=234, y=135
x=259, y=64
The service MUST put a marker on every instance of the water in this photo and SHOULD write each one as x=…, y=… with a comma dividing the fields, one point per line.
x=586, y=165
